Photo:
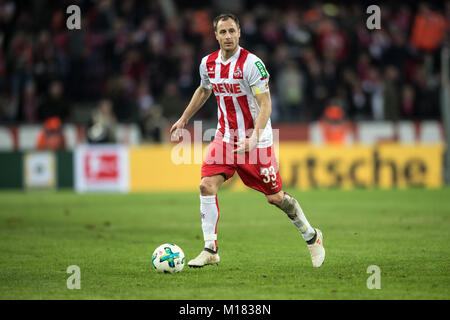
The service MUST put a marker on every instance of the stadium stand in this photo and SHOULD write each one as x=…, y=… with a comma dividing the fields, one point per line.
x=144, y=56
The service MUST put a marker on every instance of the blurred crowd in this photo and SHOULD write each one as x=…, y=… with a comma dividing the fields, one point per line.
x=137, y=61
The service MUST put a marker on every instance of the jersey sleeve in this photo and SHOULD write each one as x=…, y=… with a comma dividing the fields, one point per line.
x=257, y=76
x=204, y=79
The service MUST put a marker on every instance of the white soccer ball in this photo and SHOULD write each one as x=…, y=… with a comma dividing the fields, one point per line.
x=168, y=258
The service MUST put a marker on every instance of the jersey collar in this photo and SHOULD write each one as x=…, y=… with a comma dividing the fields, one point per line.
x=232, y=58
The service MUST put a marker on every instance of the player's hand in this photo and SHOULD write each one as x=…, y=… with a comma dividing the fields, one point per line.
x=177, y=129
x=247, y=145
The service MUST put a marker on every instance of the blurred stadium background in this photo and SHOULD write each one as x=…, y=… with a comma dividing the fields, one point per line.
x=90, y=109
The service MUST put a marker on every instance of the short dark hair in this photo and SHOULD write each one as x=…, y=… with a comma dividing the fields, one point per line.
x=225, y=16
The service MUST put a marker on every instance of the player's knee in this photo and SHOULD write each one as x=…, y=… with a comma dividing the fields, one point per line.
x=272, y=200
x=275, y=199
x=207, y=188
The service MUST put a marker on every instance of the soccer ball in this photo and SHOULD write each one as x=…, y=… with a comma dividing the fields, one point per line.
x=168, y=258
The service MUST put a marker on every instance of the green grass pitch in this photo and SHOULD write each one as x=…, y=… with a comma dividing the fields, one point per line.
x=111, y=237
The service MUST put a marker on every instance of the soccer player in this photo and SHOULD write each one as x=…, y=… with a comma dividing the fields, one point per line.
x=243, y=140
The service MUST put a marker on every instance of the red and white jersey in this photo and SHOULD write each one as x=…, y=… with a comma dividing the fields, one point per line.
x=235, y=83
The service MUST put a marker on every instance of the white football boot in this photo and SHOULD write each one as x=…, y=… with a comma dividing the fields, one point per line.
x=203, y=259
x=317, y=250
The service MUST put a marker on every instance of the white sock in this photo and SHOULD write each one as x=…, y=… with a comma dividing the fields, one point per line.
x=293, y=210
x=209, y=211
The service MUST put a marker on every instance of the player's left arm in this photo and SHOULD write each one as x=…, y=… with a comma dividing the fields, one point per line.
x=265, y=109
x=258, y=79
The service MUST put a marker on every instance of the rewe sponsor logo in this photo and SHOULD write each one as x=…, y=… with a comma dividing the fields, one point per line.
x=227, y=88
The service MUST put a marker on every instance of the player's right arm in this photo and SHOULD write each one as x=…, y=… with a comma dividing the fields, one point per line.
x=197, y=101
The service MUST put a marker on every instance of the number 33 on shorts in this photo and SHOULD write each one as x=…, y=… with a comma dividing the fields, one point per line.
x=269, y=174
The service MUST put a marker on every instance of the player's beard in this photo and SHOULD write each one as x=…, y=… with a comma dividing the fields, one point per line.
x=230, y=48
